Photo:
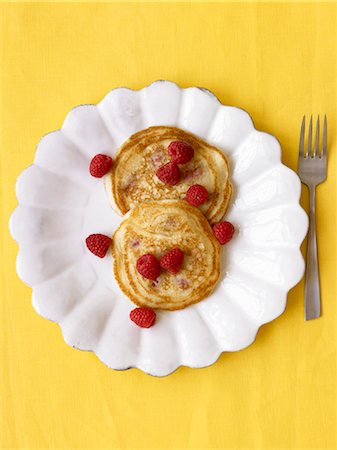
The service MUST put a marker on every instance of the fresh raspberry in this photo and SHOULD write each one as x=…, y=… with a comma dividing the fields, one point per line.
x=143, y=317
x=100, y=165
x=148, y=266
x=172, y=260
x=223, y=231
x=98, y=244
x=169, y=173
x=180, y=152
x=196, y=195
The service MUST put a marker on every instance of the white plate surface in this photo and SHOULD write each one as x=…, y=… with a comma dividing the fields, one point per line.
x=60, y=204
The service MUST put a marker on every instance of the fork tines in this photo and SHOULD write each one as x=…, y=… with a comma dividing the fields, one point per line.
x=313, y=151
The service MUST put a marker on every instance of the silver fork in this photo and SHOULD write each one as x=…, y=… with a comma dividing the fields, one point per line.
x=312, y=168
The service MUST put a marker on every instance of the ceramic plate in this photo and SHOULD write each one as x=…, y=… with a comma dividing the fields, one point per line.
x=60, y=204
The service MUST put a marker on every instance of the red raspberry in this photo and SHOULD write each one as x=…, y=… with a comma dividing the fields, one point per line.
x=98, y=244
x=100, y=165
x=196, y=195
x=180, y=152
x=169, y=173
x=148, y=266
x=223, y=231
x=143, y=317
x=172, y=260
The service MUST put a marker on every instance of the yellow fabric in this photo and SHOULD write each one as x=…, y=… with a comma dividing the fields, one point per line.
x=277, y=61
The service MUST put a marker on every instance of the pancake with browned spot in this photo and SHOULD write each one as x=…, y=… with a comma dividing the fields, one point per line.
x=132, y=179
x=156, y=227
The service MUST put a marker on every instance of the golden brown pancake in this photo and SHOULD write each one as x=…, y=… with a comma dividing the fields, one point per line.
x=156, y=227
x=132, y=179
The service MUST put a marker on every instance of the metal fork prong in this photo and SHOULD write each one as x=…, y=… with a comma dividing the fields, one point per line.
x=325, y=138
x=309, y=144
x=316, y=148
x=301, y=144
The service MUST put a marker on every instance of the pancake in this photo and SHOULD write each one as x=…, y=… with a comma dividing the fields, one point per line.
x=132, y=179
x=156, y=227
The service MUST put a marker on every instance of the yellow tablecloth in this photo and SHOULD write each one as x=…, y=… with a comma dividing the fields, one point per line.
x=278, y=61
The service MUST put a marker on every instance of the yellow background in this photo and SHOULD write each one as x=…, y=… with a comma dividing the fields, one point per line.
x=278, y=61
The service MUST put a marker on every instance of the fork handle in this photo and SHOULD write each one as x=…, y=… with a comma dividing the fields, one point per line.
x=312, y=297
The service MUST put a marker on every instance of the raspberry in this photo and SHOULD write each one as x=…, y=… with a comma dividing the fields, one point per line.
x=100, y=165
x=169, y=173
x=148, y=266
x=172, y=260
x=143, y=317
x=180, y=152
x=223, y=231
x=196, y=195
x=98, y=244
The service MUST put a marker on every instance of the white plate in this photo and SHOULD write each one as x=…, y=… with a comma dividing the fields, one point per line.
x=60, y=204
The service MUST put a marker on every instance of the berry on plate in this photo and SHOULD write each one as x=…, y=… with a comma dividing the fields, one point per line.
x=169, y=173
x=98, y=244
x=148, y=266
x=100, y=165
x=143, y=317
x=180, y=152
x=196, y=195
x=172, y=260
x=223, y=231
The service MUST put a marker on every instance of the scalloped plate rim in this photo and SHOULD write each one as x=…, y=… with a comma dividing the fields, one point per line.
x=219, y=352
